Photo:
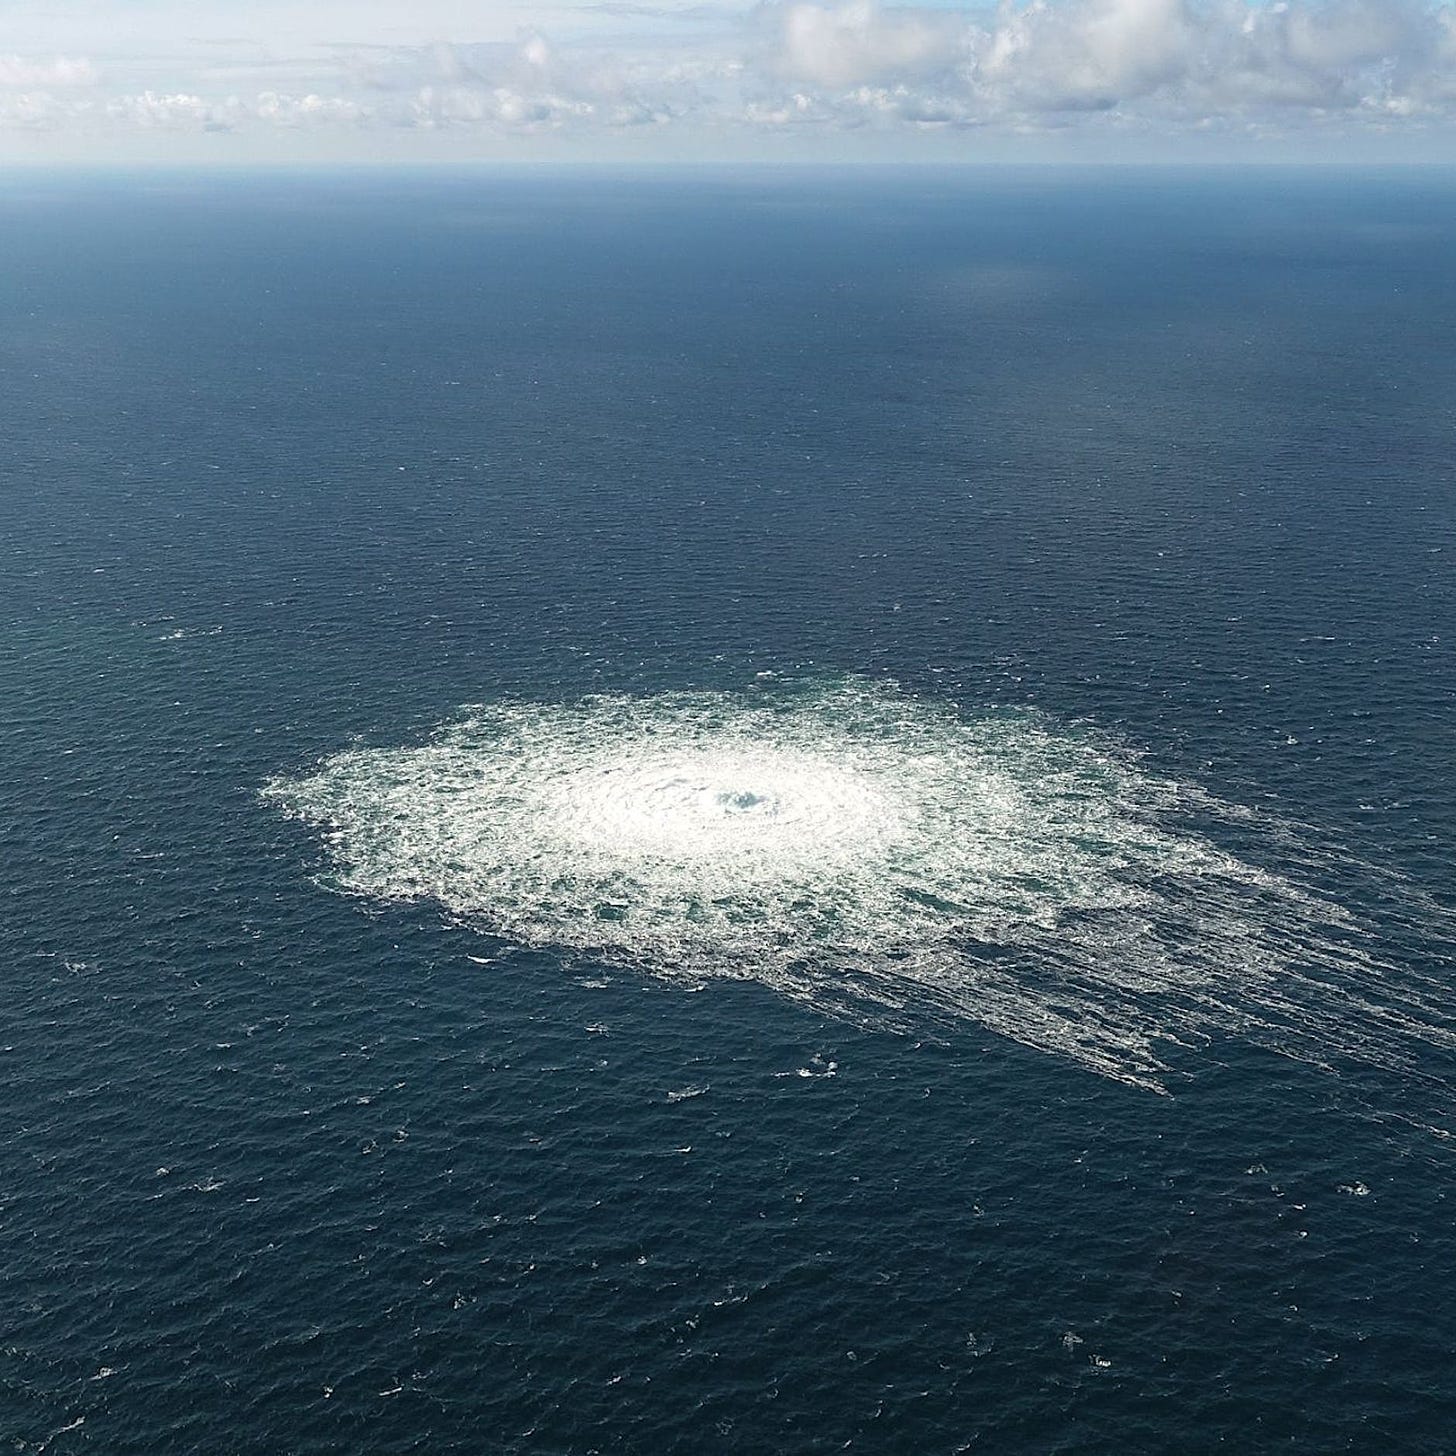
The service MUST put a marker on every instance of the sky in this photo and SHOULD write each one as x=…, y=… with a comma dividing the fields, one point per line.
x=678, y=81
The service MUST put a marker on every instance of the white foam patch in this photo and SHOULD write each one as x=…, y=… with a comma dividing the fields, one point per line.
x=877, y=856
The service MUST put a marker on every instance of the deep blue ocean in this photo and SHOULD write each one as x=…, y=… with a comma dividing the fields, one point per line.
x=369, y=1089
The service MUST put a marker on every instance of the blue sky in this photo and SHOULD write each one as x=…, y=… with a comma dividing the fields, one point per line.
x=710, y=80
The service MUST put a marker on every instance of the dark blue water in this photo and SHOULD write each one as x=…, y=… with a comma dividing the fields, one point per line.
x=293, y=463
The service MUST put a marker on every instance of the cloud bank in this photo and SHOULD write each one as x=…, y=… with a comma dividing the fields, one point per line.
x=857, y=69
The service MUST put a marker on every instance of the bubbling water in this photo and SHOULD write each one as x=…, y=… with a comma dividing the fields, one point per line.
x=876, y=856
x=724, y=809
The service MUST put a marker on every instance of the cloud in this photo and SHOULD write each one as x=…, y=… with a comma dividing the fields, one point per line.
x=1168, y=67
x=280, y=109
x=536, y=85
x=20, y=71
x=1088, y=55
x=858, y=43
x=177, y=109
x=1191, y=61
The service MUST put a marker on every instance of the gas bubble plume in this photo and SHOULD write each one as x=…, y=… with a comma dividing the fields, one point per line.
x=877, y=856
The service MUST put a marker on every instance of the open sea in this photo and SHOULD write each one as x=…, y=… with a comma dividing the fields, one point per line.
x=755, y=812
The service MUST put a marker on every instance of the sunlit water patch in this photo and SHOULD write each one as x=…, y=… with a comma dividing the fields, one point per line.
x=877, y=856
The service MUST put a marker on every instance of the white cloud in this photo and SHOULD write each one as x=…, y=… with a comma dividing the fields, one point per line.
x=1191, y=61
x=1087, y=54
x=1166, y=66
x=310, y=110
x=30, y=110
x=534, y=86
x=177, y=109
x=22, y=71
x=848, y=45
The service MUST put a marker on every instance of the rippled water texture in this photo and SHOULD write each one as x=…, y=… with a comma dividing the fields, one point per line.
x=619, y=794
x=877, y=855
